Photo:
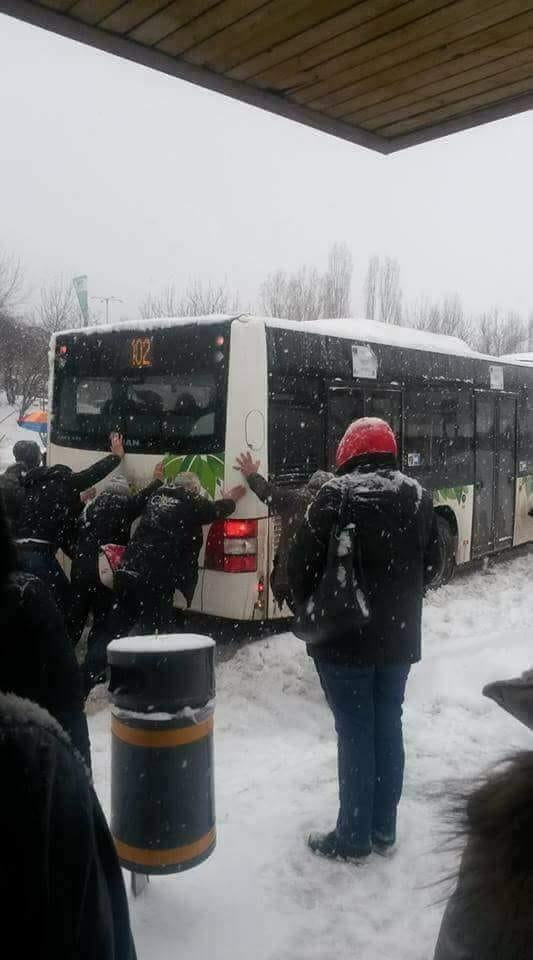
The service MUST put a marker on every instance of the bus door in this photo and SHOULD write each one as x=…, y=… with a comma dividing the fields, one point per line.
x=495, y=473
x=346, y=403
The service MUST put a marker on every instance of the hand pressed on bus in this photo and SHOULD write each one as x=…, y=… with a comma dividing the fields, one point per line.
x=117, y=444
x=234, y=493
x=246, y=464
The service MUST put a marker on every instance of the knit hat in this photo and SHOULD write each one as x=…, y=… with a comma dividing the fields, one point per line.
x=118, y=484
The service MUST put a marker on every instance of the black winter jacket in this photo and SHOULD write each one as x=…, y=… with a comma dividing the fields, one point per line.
x=51, y=499
x=165, y=547
x=397, y=534
x=106, y=519
x=13, y=493
x=61, y=886
x=290, y=504
x=37, y=660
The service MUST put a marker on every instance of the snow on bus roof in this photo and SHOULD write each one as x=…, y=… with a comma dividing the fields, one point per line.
x=350, y=328
x=526, y=359
x=155, y=323
x=373, y=331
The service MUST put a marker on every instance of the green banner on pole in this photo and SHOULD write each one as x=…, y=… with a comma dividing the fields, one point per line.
x=80, y=286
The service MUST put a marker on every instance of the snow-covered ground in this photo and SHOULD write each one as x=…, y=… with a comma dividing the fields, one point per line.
x=263, y=894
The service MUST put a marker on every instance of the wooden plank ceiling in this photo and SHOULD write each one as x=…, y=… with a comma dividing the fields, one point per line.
x=382, y=73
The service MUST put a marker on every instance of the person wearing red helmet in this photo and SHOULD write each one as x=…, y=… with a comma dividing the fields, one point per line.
x=387, y=520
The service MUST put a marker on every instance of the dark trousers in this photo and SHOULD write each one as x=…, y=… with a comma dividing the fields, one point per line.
x=134, y=603
x=89, y=596
x=147, y=605
x=367, y=707
x=42, y=563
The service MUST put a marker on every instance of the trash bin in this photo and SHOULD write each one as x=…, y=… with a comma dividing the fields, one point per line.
x=162, y=786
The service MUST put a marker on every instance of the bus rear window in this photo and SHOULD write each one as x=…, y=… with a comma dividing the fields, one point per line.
x=164, y=412
x=163, y=388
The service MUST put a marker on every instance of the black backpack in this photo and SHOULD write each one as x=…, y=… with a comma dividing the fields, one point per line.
x=339, y=605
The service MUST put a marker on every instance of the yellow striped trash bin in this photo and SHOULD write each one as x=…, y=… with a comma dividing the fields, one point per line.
x=162, y=782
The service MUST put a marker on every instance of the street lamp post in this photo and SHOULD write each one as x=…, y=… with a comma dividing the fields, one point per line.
x=107, y=301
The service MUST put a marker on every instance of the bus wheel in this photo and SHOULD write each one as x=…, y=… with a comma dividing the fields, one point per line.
x=447, y=543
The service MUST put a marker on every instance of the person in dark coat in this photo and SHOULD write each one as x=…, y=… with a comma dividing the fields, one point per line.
x=162, y=555
x=290, y=504
x=37, y=660
x=61, y=885
x=364, y=671
x=489, y=916
x=107, y=519
x=27, y=454
x=51, y=494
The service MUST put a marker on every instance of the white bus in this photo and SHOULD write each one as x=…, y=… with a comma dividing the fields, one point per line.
x=199, y=391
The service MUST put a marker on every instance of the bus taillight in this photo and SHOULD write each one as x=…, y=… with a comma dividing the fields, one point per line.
x=232, y=546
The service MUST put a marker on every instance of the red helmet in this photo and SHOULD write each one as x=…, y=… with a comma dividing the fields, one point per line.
x=364, y=436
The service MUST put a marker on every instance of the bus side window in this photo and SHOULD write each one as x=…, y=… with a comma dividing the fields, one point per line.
x=453, y=433
x=525, y=433
x=343, y=408
x=296, y=427
x=296, y=440
x=418, y=431
x=387, y=405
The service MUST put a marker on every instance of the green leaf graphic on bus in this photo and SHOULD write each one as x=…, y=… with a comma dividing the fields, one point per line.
x=206, y=466
x=451, y=493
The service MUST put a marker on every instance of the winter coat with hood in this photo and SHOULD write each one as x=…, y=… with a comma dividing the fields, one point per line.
x=165, y=547
x=489, y=915
x=107, y=519
x=51, y=499
x=289, y=504
x=37, y=660
x=27, y=455
x=61, y=885
x=13, y=494
x=397, y=541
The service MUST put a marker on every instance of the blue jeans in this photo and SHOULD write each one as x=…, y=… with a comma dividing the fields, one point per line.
x=366, y=703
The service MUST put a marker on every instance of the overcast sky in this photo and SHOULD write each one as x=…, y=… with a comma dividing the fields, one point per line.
x=138, y=179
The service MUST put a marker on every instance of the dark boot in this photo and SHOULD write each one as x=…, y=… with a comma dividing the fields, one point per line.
x=384, y=845
x=329, y=845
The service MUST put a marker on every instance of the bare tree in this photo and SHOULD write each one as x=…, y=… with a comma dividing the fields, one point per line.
x=274, y=297
x=371, y=289
x=199, y=298
x=203, y=298
x=447, y=317
x=390, y=294
x=499, y=333
x=337, y=282
x=382, y=291
x=11, y=284
x=57, y=309
x=8, y=355
x=32, y=366
x=293, y=296
x=530, y=331
x=23, y=361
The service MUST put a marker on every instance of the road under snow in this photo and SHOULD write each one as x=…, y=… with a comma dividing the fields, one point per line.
x=263, y=895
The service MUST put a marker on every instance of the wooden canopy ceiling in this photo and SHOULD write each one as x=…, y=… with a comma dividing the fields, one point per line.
x=382, y=73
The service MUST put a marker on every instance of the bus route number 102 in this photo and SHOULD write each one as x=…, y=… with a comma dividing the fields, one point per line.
x=141, y=352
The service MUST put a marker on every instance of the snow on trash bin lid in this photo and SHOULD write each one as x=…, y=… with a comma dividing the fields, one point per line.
x=161, y=643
